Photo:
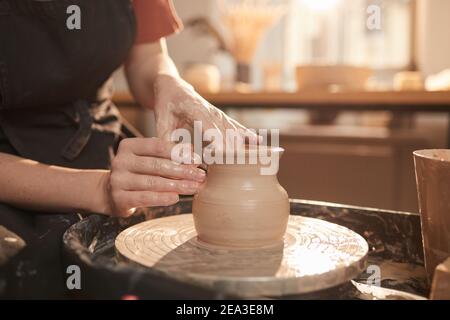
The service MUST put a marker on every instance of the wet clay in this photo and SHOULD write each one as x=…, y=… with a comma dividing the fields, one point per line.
x=240, y=207
x=433, y=186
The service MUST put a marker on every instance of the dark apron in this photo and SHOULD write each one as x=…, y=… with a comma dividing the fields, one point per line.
x=55, y=108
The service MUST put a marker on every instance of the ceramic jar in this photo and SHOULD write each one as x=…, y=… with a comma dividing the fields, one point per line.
x=433, y=186
x=240, y=207
x=205, y=78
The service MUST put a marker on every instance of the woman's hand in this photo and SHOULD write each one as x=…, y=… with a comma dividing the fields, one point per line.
x=178, y=105
x=155, y=83
x=143, y=175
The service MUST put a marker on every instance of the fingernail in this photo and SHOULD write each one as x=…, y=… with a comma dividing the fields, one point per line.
x=199, y=175
x=170, y=198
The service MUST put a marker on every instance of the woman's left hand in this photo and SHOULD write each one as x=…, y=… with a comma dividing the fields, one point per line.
x=178, y=105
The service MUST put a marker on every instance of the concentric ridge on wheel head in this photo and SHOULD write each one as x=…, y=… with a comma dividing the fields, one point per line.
x=316, y=255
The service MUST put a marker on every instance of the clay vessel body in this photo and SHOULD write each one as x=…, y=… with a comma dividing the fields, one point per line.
x=433, y=186
x=239, y=207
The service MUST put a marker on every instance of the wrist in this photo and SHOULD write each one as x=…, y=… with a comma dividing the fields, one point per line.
x=169, y=81
x=97, y=187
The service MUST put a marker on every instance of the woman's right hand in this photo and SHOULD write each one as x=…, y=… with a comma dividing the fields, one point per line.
x=143, y=175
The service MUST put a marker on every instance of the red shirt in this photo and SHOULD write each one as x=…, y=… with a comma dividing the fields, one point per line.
x=155, y=19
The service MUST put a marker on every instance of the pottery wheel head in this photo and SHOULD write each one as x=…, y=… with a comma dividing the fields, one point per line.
x=315, y=255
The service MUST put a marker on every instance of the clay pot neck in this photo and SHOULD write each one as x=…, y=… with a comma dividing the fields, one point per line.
x=261, y=156
x=236, y=169
x=238, y=175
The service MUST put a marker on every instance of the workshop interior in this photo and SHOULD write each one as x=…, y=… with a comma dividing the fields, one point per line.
x=350, y=98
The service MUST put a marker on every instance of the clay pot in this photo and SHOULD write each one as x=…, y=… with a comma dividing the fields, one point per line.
x=239, y=207
x=433, y=186
x=205, y=78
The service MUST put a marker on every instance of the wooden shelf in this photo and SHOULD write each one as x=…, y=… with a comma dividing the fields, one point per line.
x=385, y=100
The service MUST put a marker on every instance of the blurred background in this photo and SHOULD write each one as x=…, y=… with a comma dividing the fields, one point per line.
x=353, y=85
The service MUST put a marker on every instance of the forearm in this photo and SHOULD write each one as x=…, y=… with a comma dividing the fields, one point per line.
x=32, y=185
x=145, y=62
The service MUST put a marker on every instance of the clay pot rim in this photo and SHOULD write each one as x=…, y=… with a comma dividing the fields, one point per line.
x=431, y=154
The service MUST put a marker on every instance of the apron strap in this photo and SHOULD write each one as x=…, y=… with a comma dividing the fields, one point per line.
x=81, y=137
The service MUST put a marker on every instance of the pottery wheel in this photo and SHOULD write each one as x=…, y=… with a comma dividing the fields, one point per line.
x=316, y=255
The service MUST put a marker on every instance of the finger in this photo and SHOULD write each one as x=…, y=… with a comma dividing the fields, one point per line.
x=166, y=168
x=137, y=182
x=241, y=134
x=183, y=153
x=154, y=147
x=151, y=147
x=139, y=199
x=248, y=134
